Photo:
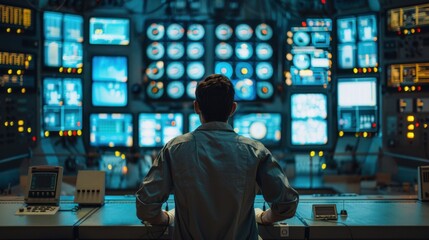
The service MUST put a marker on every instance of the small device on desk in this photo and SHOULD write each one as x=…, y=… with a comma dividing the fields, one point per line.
x=325, y=211
x=423, y=183
x=90, y=188
x=43, y=191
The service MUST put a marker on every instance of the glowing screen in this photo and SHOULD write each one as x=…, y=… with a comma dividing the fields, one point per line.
x=357, y=104
x=309, y=119
x=194, y=121
x=109, y=31
x=62, y=104
x=264, y=127
x=111, y=130
x=156, y=129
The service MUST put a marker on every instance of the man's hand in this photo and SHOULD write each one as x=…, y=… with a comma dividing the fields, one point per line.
x=258, y=215
x=170, y=215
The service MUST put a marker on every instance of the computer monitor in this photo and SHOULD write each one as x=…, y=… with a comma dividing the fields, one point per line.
x=245, y=89
x=61, y=105
x=110, y=68
x=194, y=121
x=156, y=129
x=109, y=31
x=357, y=104
x=72, y=55
x=73, y=28
x=111, y=130
x=109, y=94
x=264, y=127
x=52, y=25
x=309, y=126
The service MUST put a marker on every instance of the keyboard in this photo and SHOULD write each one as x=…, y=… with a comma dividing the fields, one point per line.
x=37, y=210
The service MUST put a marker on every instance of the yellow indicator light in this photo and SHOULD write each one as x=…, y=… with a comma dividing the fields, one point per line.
x=123, y=156
x=46, y=133
x=9, y=90
x=79, y=71
x=23, y=90
x=61, y=133
x=320, y=153
x=312, y=153
x=410, y=118
x=425, y=125
x=20, y=122
x=375, y=69
x=411, y=127
x=11, y=123
x=365, y=134
x=6, y=124
x=117, y=153
x=20, y=129
x=340, y=133
x=9, y=71
x=18, y=72
x=323, y=166
x=410, y=135
x=60, y=69
x=29, y=130
x=355, y=70
x=79, y=132
x=124, y=170
x=109, y=166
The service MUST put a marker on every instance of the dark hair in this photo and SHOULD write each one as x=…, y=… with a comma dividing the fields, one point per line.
x=215, y=96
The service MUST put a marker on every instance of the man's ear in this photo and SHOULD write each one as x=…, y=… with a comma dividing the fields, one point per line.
x=233, y=108
x=197, y=107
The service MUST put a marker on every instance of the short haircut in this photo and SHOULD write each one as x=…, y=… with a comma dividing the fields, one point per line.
x=215, y=97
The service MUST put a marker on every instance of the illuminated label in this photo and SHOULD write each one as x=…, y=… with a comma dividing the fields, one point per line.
x=16, y=60
x=408, y=17
x=15, y=17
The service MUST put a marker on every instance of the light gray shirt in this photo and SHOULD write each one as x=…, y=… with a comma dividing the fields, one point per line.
x=213, y=173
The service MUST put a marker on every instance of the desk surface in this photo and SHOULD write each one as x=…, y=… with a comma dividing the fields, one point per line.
x=369, y=217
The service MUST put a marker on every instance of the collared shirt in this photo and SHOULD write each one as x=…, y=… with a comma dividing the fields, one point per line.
x=214, y=173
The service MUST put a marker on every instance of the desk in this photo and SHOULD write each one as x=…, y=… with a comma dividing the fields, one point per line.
x=59, y=226
x=369, y=217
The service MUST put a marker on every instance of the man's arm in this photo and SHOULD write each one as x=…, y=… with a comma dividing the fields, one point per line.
x=154, y=191
x=283, y=199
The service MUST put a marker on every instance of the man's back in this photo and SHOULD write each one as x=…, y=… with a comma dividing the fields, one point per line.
x=214, y=173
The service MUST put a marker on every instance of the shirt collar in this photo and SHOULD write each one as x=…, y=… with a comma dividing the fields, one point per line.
x=215, y=126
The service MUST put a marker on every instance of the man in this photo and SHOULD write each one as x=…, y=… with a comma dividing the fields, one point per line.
x=214, y=172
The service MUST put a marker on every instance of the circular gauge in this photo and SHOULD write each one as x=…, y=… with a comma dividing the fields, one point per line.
x=175, y=31
x=155, y=70
x=195, y=50
x=175, y=50
x=243, y=50
x=195, y=32
x=190, y=89
x=195, y=70
x=224, y=68
x=264, y=90
x=301, y=61
x=245, y=89
x=175, y=89
x=264, y=32
x=264, y=70
x=264, y=51
x=155, y=51
x=258, y=130
x=223, y=50
x=243, y=32
x=301, y=38
x=223, y=32
x=155, y=31
x=243, y=70
x=175, y=70
x=155, y=89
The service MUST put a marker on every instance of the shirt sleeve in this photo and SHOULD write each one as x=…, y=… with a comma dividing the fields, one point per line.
x=155, y=188
x=283, y=199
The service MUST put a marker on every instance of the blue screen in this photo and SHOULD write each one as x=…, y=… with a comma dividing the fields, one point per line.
x=52, y=25
x=73, y=28
x=62, y=104
x=109, y=94
x=156, y=129
x=194, y=121
x=109, y=31
x=357, y=104
x=72, y=55
x=111, y=130
x=110, y=68
x=264, y=127
x=53, y=53
x=309, y=119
